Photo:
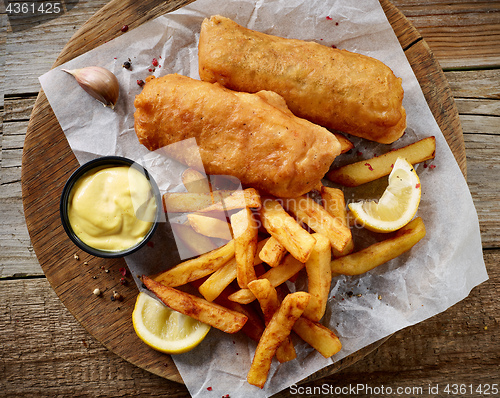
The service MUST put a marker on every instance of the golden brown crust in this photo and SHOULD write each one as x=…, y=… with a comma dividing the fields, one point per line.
x=253, y=137
x=334, y=88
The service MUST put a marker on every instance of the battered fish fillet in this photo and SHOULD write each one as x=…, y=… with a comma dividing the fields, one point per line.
x=253, y=137
x=338, y=89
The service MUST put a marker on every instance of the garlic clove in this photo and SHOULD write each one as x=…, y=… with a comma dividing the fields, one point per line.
x=99, y=82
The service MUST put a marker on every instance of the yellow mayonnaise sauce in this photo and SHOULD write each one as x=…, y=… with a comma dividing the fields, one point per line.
x=112, y=208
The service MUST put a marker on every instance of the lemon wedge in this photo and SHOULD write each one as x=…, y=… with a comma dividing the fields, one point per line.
x=164, y=329
x=397, y=205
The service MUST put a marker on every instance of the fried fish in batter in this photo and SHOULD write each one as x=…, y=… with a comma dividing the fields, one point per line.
x=338, y=89
x=253, y=137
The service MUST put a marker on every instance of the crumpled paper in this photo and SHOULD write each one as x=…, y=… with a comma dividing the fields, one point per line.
x=437, y=273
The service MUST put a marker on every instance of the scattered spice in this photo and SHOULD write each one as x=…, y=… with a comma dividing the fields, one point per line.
x=334, y=46
x=123, y=281
x=328, y=18
x=359, y=153
x=369, y=166
x=76, y=256
x=141, y=83
x=85, y=263
x=127, y=64
x=107, y=271
x=209, y=388
x=150, y=244
x=432, y=166
x=417, y=186
x=124, y=28
x=123, y=271
x=380, y=297
x=116, y=296
x=97, y=291
x=154, y=62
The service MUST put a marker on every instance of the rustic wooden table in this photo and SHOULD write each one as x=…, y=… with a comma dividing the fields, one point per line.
x=46, y=352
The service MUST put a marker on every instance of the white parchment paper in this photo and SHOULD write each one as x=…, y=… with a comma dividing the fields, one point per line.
x=437, y=273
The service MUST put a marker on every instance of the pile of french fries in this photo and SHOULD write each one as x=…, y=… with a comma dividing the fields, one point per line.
x=268, y=242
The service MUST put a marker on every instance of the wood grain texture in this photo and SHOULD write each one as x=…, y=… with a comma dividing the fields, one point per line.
x=58, y=357
x=46, y=145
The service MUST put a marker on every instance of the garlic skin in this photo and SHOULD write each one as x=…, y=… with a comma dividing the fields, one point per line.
x=99, y=82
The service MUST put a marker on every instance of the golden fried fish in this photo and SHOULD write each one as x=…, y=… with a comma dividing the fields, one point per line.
x=253, y=137
x=334, y=88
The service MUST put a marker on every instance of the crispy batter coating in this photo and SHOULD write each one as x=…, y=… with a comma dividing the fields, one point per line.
x=338, y=89
x=253, y=137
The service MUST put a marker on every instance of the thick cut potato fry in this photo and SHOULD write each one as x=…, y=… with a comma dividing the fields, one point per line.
x=317, y=336
x=358, y=173
x=379, y=253
x=269, y=303
x=195, y=182
x=334, y=203
x=345, y=144
x=275, y=333
x=184, y=202
x=210, y=226
x=272, y=252
x=198, y=267
x=254, y=327
x=277, y=275
x=313, y=214
x=245, y=230
x=319, y=277
x=218, y=281
x=286, y=230
x=195, y=242
x=215, y=315
x=239, y=199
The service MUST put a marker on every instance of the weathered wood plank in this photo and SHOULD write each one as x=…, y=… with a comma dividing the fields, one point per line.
x=474, y=83
x=483, y=168
x=483, y=107
x=32, y=44
x=457, y=36
x=59, y=358
x=462, y=33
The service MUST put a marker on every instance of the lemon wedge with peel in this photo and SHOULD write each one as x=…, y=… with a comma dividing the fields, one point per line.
x=397, y=205
x=164, y=329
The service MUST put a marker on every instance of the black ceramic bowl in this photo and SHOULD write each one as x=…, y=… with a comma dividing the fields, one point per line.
x=65, y=197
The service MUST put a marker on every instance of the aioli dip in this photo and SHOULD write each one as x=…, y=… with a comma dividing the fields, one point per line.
x=112, y=208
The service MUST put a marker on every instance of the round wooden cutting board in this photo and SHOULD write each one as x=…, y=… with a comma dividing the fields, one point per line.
x=48, y=161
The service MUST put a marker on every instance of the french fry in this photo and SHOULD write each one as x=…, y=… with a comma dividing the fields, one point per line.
x=184, y=202
x=238, y=199
x=210, y=226
x=215, y=315
x=275, y=333
x=315, y=216
x=218, y=281
x=215, y=284
x=286, y=230
x=272, y=252
x=345, y=144
x=245, y=230
x=254, y=327
x=334, y=203
x=194, y=181
x=195, y=242
x=379, y=253
x=269, y=303
x=364, y=171
x=277, y=275
x=319, y=276
x=317, y=336
x=198, y=267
